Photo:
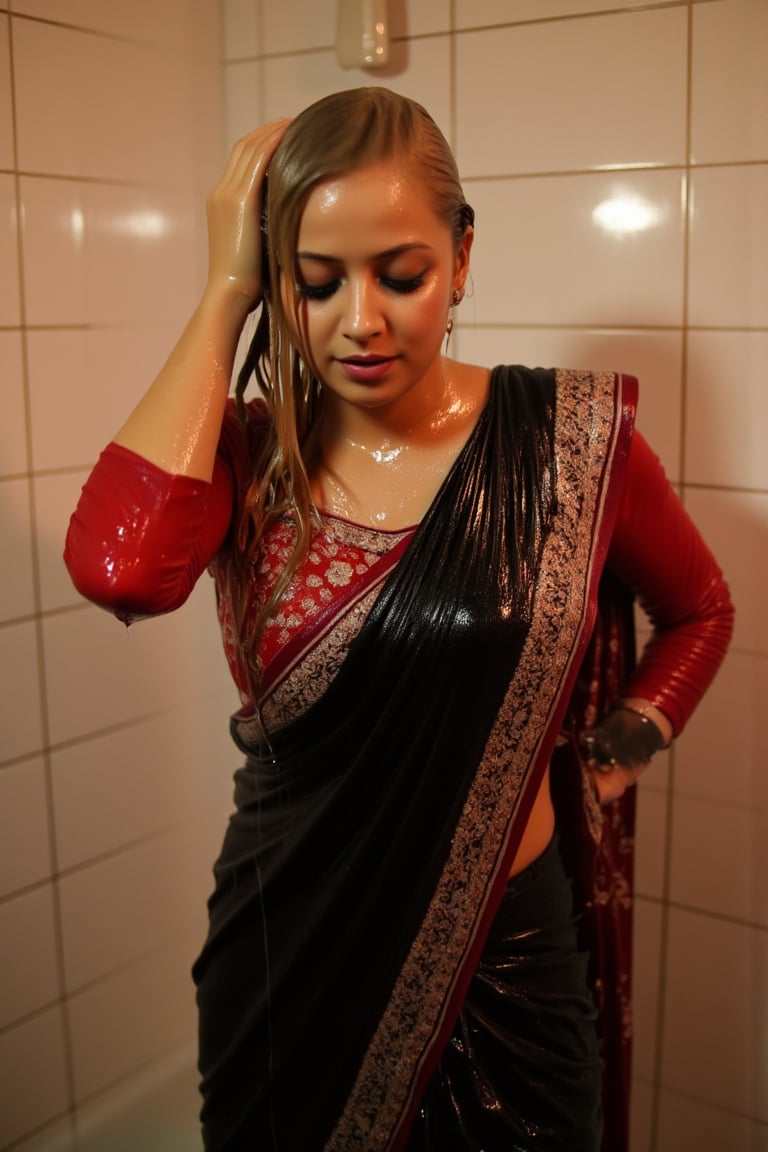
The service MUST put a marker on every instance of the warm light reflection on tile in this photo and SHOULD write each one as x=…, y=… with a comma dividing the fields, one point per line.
x=539, y=259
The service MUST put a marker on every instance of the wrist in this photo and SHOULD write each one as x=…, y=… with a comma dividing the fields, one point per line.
x=649, y=712
x=226, y=299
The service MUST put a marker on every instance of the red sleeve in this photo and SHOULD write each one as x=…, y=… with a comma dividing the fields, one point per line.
x=140, y=537
x=657, y=550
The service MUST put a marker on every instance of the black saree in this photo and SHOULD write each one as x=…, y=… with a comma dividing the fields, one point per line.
x=373, y=836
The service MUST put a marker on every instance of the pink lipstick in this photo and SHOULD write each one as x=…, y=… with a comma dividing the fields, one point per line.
x=365, y=368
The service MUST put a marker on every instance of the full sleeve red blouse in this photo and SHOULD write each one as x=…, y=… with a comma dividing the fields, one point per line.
x=140, y=538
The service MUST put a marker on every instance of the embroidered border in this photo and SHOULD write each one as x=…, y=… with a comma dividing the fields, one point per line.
x=586, y=407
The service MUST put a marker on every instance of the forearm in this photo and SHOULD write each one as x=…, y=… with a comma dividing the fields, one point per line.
x=176, y=425
x=658, y=551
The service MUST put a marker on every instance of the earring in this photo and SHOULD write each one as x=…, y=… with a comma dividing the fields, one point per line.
x=457, y=297
x=449, y=326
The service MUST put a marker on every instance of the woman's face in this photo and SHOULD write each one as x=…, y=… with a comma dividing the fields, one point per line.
x=374, y=274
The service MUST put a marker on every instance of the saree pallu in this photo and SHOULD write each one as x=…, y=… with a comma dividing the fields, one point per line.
x=373, y=836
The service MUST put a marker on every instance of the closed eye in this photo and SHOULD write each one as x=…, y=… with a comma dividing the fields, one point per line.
x=404, y=286
x=317, y=291
x=325, y=291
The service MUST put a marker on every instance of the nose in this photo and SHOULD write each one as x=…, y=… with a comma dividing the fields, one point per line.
x=363, y=318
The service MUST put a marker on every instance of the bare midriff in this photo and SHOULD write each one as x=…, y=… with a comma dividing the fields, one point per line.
x=539, y=829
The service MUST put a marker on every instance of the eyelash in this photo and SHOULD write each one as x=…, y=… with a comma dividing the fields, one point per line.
x=325, y=291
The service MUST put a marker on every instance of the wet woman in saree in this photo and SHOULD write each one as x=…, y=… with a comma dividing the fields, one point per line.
x=424, y=572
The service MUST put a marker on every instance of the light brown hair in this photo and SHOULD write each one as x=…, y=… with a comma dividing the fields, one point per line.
x=344, y=131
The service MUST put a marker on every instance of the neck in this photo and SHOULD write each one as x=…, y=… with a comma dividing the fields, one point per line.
x=414, y=418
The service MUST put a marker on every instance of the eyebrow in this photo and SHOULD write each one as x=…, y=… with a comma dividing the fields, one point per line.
x=388, y=254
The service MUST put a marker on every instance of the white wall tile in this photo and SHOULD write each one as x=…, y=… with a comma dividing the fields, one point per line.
x=714, y=1045
x=420, y=17
x=155, y=1108
x=20, y=721
x=654, y=357
x=538, y=258
x=646, y=979
x=104, y=88
x=55, y=499
x=241, y=32
x=77, y=235
x=592, y=107
x=25, y=854
x=729, y=82
x=57, y=1136
x=120, y=909
x=133, y=1017
x=694, y=1124
x=54, y=260
x=154, y=237
x=9, y=259
x=298, y=26
x=13, y=427
x=127, y=785
x=725, y=746
x=99, y=674
x=242, y=99
x=99, y=371
x=735, y=525
x=727, y=409
x=651, y=839
x=729, y=247
x=6, y=122
x=293, y=82
x=28, y=970
x=33, y=1075
x=641, y=1107
x=16, y=549
x=720, y=858
x=141, y=19
x=476, y=13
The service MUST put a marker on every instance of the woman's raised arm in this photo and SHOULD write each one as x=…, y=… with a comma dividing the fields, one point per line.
x=176, y=424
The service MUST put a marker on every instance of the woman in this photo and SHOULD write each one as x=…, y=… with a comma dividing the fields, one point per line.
x=409, y=555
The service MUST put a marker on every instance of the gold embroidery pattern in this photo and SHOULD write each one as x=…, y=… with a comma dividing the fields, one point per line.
x=386, y=1079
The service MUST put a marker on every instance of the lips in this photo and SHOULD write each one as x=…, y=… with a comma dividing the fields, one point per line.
x=364, y=368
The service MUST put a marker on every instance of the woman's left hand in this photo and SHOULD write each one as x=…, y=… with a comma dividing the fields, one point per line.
x=612, y=780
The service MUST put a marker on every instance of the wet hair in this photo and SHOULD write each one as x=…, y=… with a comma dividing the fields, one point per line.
x=342, y=132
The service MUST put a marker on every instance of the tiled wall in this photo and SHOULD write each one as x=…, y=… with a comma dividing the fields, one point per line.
x=114, y=761
x=616, y=153
x=115, y=764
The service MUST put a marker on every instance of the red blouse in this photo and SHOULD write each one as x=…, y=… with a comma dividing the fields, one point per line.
x=140, y=538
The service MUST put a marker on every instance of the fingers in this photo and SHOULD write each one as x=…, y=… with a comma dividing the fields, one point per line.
x=251, y=155
x=234, y=212
x=612, y=780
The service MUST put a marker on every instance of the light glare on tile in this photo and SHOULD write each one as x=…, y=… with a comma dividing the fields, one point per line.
x=626, y=214
x=145, y=225
x=77, y=221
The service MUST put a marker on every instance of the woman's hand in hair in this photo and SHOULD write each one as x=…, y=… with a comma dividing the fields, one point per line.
x=234, y=218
